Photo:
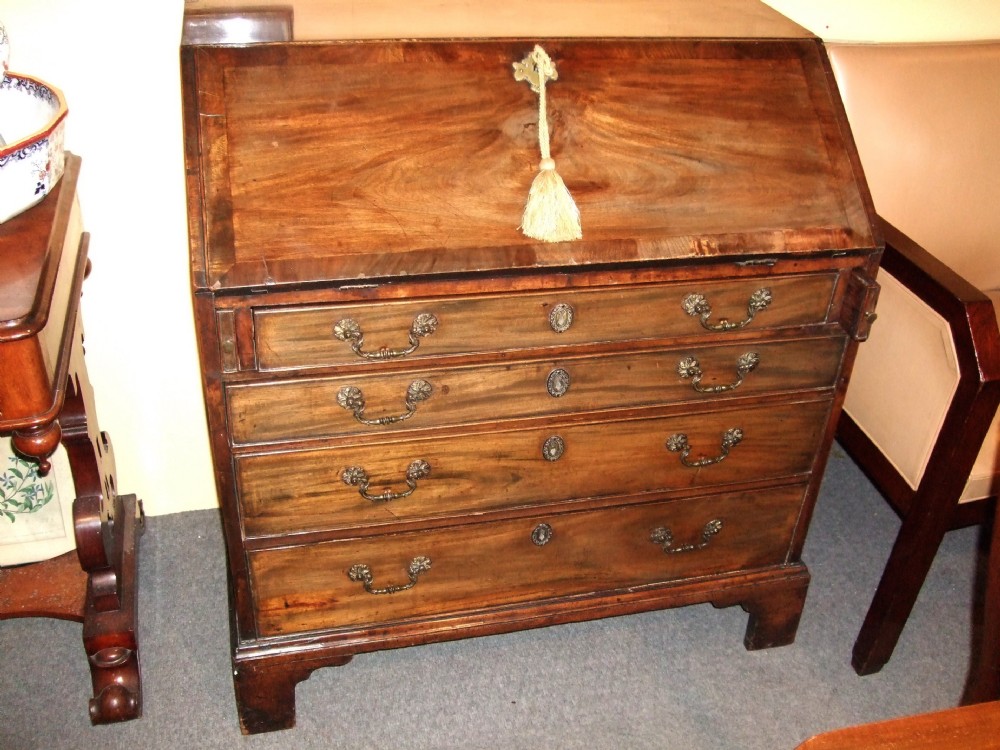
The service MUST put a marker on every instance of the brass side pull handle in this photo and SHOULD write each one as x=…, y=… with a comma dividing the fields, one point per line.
x=361, y=573
x=356, y=476
x=689, y=367
x=679, y=444
x=697, y=306
x=351, y=398
x=663, y=537
x=349, y=330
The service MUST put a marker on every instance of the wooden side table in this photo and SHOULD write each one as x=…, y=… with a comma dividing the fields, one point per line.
x=45, y=399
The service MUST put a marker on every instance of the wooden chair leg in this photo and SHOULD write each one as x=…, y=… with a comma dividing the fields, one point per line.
x=984, y=673
x=917, y=543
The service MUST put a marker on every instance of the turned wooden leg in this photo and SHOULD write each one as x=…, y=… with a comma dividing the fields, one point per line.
x=774, y=616
x=265, y=693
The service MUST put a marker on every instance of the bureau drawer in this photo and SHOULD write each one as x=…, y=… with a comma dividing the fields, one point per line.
x=385, y=403
x=476, y=566
x=328, y=335
x=326, y=489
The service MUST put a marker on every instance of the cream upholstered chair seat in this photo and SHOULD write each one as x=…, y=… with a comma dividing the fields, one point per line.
x=920, y=415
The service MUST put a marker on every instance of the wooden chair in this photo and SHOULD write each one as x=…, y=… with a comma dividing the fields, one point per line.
x=920, y=415
x=965, y=728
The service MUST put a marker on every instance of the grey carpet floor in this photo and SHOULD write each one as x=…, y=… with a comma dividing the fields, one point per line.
x=672, y=679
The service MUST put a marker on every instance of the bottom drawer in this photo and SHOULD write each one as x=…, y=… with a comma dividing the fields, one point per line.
x=357, y=582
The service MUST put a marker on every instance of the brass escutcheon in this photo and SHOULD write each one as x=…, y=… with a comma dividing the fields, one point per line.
x=561, y=317
x=557, y=384
x=541, y=535
x=553, y=448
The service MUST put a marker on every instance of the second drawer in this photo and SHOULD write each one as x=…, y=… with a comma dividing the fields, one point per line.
x=388, y=402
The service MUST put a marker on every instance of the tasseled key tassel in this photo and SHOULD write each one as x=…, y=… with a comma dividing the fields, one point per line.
x=550, y=214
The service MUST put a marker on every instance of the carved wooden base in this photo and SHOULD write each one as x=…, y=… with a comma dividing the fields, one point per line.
x=110, y=636
x=60, y=588
x=265, y=679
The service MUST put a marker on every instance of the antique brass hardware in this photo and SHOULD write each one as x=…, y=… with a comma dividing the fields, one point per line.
x=690, y=368
x=678, y=443
x=553, y=448
x=561, y=317
x=356, y=476
x=361, y=573
x=351, y=398
x=349, y=330
x=663, y=537
x=697, y=306
x=541, y=535
x=557, y=383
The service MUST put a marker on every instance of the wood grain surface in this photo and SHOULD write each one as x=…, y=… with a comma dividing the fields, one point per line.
x=497, y=564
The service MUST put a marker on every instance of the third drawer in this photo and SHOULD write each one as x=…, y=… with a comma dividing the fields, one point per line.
x=378, y=484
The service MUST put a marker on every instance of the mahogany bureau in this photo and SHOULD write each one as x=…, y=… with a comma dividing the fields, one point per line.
x=426, y=425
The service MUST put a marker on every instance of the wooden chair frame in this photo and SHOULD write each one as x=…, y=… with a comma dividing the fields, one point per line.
x=933, y=508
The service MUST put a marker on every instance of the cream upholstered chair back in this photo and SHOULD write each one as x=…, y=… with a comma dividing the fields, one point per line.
x=926, y=119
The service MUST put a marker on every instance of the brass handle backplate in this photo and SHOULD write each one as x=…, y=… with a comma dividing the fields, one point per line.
x=678, y=443
x=361, y=573
x=689, y=367
x=697, y=306
x=349, y=330
x=356, y=476
x=663, y=537
x=351, y=398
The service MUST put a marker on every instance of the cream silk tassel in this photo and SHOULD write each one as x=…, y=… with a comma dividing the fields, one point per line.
x=550, y=214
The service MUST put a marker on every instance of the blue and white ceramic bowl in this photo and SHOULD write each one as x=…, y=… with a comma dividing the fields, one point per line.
x=32, y=125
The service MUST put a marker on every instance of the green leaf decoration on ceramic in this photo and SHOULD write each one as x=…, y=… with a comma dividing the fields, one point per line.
x=22, y=490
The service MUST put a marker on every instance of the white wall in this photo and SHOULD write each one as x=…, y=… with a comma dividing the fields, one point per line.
x=117, y=63
x=895, y=20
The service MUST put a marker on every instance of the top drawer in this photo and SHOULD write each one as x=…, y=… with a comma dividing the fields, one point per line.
x=332, y=335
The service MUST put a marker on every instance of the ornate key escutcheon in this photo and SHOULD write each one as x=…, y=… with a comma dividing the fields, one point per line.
x=356, y=476
x=663, y=537
x=697, y=306
x=361, y=573
x=541, y=535
x=553, y=448
x=690, y=368
x=349, y=330
x=561, y=317
x=351, y=398
x=678, y=443
x=557, y=383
